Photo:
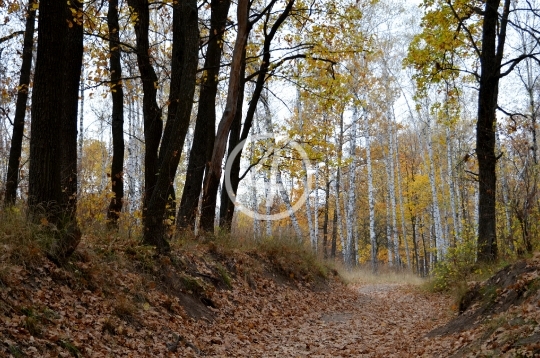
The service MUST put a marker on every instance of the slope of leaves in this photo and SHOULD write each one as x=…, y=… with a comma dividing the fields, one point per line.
x=500, y=317
x=211, y=297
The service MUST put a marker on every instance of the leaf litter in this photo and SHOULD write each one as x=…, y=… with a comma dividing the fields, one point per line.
x=49, y=311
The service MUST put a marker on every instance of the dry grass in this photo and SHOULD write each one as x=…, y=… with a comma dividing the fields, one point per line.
x=101, y=252
x=385, y=275
x=22, y=243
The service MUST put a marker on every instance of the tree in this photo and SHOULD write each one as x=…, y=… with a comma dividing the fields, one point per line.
x=261, y=77
x=211, y=181
x=450, y=30
x=153, y=123
x=203, y=136
x=54, y=108
x=117, y=123
x=20, y=108
x=183, y=80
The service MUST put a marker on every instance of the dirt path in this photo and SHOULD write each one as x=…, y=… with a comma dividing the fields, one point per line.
x=383, y=320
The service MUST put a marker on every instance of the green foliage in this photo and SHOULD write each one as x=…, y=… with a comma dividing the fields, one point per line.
x=457, y=266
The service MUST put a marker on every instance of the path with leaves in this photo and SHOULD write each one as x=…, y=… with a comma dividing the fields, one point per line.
x=381, y=320
x=53, y=312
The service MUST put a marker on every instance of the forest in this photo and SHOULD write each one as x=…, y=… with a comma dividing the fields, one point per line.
x=405, y=132
x=379, y=133
x=269, y=178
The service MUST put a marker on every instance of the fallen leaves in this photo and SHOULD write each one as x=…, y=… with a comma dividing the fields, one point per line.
x=260, y=318
x=49, y=312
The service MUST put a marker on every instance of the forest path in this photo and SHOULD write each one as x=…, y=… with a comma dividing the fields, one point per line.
x=371, y=320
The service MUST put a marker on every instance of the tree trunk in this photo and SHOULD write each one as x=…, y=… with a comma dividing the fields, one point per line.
x=490, y=70
x=351, y=195
x=226, y=213
x=392, y=188
x=255, y=97
x=316, y=210
x=326, y=210
x=441, y=244
x=333, y=247
x=117, y=93
x=183, y=80
x=211, y=181
x=153, y=124
x=72, y=75
x=400, y=197
x=305, y=179
x=15, y=151
x=204, y=134
x=337, y=185
x=52, y=182
x=279, y=182
x=451, y=187
x=371, y=199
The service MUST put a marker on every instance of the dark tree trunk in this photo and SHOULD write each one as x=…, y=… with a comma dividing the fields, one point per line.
x=490, y=71
x=20, y=109
x=117, y=166
x=153, y=124
x=226, y=216
x=227, y=206
x=183, y=79
x=72, y=64
x=211, y=181
x=51, y=191
x=203, y=137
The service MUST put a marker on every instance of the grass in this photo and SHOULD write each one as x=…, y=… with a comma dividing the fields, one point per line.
x=124, y=308
x=101, y=253
x=385, y=275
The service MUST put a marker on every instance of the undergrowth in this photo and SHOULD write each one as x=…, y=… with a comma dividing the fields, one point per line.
x=102, y=251
x=460, y=268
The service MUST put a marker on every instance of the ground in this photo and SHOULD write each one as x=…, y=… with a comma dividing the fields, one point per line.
x=206, y=303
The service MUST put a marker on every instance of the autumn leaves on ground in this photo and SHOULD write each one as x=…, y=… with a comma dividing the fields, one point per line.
x=233, y=297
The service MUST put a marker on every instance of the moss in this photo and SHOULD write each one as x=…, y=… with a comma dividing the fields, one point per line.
x=191, y=284
x=224, y=275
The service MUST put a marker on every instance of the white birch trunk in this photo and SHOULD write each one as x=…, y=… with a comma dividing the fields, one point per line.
x=389, y=233
x=316, y=210
x=504, y=179
x=351, y=197
x=338, y=213
x=392, y=189
x=371, y=199
x=452, y=186
x=285, y=198
x=439, y=239
x=281, y=187
x=311, y=229
x=268, y=204
x=254, y=207
x=337, y=185
x=308, y=207
x=401, y=206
